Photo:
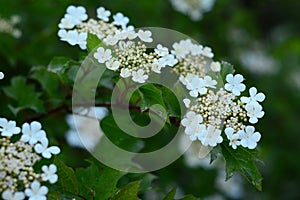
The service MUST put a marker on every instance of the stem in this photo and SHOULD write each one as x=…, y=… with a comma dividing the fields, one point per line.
x=81, y=197
x=64, y=107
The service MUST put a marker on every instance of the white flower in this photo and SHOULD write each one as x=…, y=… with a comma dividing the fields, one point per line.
x=63, y=34
x=145, y=35
x=196, y=49
x=113, y=65
x=36, y=192
x=209, y=82
x=42, y=148
x=187, y=102
x=128, y=28
x=181, y=49
x=249, y=137
x=191, y=118
x=73, y=37
x=111, y=40
x=139, y=76
x=125, y=72
x=156, y=67
x=212, y=137
x=161, y=51
x=187, y=79
x=232, y=137
x=8, y=128
x=215, y=66
x=82, y=40
x=131, y=34
x=254, y=96
x=32, y=133
x=169, y=60
x=121, y=35
x=67, y=22
x=78, y=14
x=207, y=51
x=102, y=55
x=10, y=195
x=196, y=131
x=49, y=173
x=197, y=85
x=1, y=75
x=234, y=84
x=120, y=20
x=254, y=111
x=103, y=14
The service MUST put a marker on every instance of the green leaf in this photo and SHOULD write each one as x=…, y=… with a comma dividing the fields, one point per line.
x=119, y=137
x=244, y=161
x=214, y=153
x=53, y=195
x=150, y=95
x=171, y=102
x=92, y=42
x=145, y=178
x=97, y=181
x=189, y=197
x=58, y=65
x=130, y=191
x=146, y=182
x=50, y=84
x=170, y=195
x=25, y=96
x=67, y=181
x=226, y=68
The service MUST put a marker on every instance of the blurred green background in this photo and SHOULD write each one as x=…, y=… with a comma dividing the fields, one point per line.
x=260, y=38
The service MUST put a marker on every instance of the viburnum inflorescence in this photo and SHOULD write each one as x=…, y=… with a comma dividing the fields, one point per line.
x=217, y=112
x=211, y=108
x=19, y=155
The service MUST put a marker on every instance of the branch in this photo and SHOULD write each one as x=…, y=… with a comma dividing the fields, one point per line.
x=64, y=107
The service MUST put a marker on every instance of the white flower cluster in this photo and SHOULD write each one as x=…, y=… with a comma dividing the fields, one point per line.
x=8, y=26
x=131, y=59
x=74, y=29
x=193, y=8
x=194, y=60
x=1, y=75
x=213, y=105
x=18, y=177
x=127, y=53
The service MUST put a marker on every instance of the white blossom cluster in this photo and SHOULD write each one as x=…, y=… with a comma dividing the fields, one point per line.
x=211, y=108
x=127, y=52
x=214, y=105
x=8, y=26
x=19, y=154
x=75, y=25
x=193, y=8
x=193, y=60
x=131, y=58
